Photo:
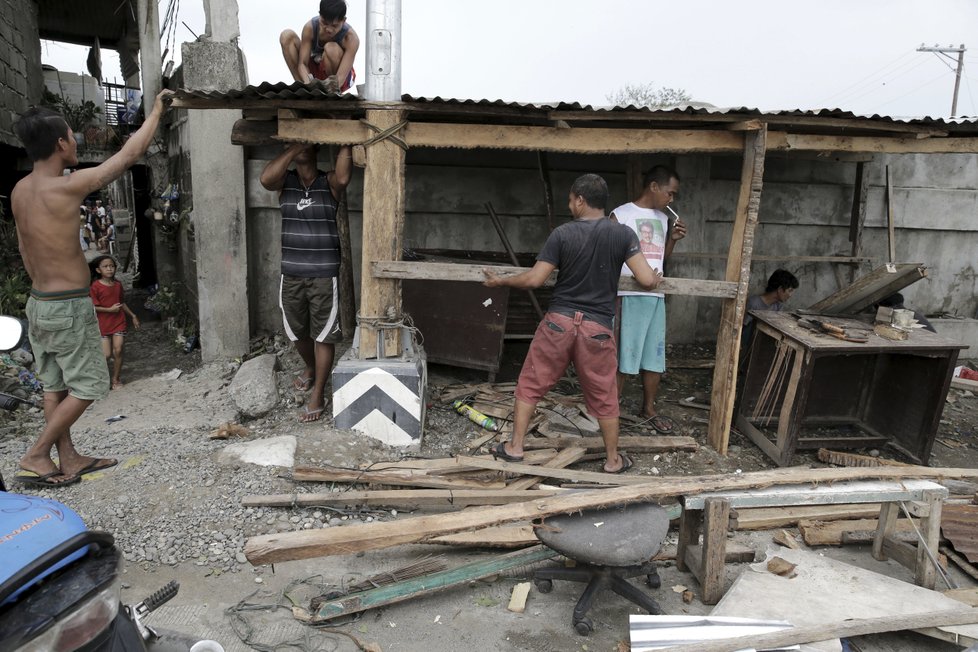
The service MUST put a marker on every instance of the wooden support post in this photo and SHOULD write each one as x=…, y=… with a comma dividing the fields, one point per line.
x=383, y=231
x=925, y=573
x=633, y=175
x=548, y=191
x=690, y=525
x=738, y=271
x=857, y=221
x=887, y=521
x=348, y=301
x=890, y=226
x=716, y=515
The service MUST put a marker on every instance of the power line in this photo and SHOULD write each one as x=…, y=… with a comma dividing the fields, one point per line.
x=852, y=97
x=914, y=90
x=859, y=83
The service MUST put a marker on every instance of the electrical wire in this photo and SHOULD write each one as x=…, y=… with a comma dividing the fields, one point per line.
x=911, y=92
x=860, y=82
x=853, y=96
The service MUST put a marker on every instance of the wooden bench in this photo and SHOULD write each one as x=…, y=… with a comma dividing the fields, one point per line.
x=710, y=512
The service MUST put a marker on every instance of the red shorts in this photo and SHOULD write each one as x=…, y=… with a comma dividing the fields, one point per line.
x=560, y=340
x=319, y=72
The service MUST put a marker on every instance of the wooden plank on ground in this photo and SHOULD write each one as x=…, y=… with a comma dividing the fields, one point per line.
x=769, y=518
x=306, y=544
x=869, y=289
x=833, y=533
x=458, y=272
x=500, y=536
x=631, y=444
x=403, y=478
x=402, y=498
x=451, y=464
x=427, y=584
x=564, y=458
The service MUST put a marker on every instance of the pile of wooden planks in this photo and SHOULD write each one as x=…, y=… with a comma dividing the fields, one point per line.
x=557, y=414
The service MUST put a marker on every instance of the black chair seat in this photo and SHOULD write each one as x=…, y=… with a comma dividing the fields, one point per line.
x=610, y=545
x=626, y=535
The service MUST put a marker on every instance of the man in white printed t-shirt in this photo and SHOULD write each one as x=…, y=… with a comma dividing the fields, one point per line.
x=642, y=340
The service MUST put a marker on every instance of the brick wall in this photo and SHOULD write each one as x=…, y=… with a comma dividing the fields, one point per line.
x=20, y=63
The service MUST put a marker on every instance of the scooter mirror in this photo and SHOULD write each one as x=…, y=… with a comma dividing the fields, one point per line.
x=11, y=333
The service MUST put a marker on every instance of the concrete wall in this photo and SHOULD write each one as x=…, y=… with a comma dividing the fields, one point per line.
x=804, y=211
x=20, y=64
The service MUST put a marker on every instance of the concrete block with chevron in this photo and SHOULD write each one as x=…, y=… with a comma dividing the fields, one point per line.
x=382, y=398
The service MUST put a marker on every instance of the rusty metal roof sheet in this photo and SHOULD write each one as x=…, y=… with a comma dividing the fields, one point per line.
x=285, y=92
x=959, y=525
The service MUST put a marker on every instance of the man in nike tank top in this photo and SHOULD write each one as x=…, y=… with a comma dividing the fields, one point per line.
x=308, y=293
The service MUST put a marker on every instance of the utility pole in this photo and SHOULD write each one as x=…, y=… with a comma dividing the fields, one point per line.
x=957, y=73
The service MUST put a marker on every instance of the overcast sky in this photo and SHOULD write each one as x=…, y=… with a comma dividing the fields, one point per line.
x=857, y=55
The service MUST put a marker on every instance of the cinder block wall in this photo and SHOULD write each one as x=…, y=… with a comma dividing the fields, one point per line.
x=20, y=64
x=805, y=210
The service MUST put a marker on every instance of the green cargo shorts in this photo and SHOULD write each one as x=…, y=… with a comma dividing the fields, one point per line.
x=67, y=347
x=310, y=308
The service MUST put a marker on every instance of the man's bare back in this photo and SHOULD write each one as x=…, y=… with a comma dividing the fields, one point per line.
x=46, y=213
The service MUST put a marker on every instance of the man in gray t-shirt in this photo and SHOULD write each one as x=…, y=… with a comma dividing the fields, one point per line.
x=589, y=253
x=779, y=289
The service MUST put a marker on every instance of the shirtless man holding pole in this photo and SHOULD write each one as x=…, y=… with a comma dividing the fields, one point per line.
x=62, y=326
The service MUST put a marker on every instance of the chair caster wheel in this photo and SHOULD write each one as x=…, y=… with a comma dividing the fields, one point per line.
x=653, y=580
x=544, y=586
x=584, y=626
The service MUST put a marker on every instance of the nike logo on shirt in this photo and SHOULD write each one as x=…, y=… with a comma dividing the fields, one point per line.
x=304, y=203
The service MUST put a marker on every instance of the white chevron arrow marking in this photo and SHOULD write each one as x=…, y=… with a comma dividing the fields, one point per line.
x=376, y=377
x=378, y=426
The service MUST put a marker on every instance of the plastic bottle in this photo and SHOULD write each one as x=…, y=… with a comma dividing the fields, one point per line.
x=475, y=416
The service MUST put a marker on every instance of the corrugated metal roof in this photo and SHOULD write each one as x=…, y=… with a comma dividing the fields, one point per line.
x=959, y=524
x=284, y=92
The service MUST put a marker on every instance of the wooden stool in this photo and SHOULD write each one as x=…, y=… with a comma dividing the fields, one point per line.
x=710, y=514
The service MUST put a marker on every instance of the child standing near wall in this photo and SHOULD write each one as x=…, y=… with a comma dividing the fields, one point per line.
x=111, y=310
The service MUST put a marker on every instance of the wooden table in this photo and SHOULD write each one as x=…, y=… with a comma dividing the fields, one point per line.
x=708, y=514
x=854, y=395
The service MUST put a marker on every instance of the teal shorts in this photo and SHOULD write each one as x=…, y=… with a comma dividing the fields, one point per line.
x=642, y=342
x=67, y=345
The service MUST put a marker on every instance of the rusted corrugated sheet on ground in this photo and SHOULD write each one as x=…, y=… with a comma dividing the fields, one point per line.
x=959, y=525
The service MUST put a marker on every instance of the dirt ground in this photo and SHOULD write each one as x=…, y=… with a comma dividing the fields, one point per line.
x=254, y=604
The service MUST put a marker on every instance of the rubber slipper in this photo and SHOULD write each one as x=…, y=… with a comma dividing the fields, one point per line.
x=499, y=452
x=45, y=480
x=99, y=464
x=626, y=463
x=301, y=384
x=662, y=424
x=311, y=415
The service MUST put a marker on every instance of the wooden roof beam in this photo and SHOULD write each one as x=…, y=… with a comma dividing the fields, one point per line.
x=551, y=139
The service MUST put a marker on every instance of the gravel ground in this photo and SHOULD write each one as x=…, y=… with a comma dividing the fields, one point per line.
x=174, y=503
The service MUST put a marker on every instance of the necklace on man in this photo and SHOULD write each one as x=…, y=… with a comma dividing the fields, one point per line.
x=307, y=188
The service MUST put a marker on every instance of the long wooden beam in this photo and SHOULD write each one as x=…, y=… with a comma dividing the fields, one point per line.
x=609, y=141
x=588, y=139
x=920, y=131
x=781, y=141
x=306, y=544
x=457, y=272
x=510, y=137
